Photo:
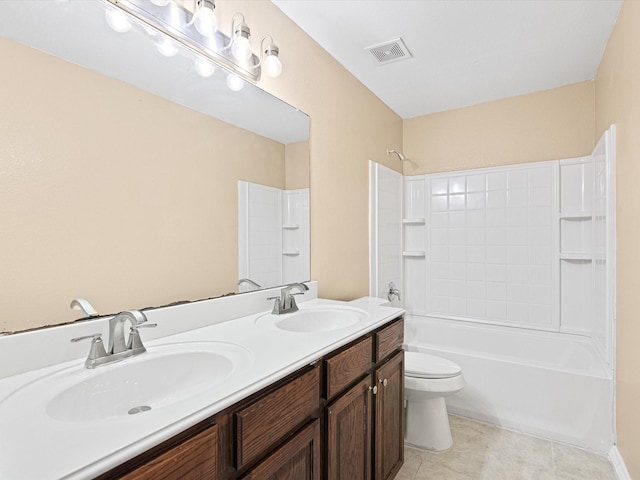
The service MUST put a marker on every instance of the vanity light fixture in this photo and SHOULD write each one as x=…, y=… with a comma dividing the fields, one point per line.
x=204, y=67
x=167, y=47
x=117, y=20
x=240, y=45
x=204, y=18
x=269, y=57
x=234, y=82
x=172, y=25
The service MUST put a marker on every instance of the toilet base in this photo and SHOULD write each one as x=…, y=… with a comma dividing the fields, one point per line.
x=427, y=425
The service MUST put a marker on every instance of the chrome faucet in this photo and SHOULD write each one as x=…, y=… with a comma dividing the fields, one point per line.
x=118, y=347
x=285, y=303
x=84, y=305
x=250, y=282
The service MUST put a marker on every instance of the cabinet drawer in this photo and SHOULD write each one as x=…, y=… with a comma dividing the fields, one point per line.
x=348, y=365
x=195, y=459
x=299, y=458
x=389, y=339
x=269, y=419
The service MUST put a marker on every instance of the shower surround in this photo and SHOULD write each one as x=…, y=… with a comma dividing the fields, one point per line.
x=509, y=271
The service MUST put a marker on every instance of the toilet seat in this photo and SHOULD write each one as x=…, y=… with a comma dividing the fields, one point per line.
x=422, y=365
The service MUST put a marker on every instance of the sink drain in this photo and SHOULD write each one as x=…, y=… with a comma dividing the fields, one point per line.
x=140, y=409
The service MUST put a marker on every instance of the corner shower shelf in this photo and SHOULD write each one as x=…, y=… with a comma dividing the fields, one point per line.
x=575, y=216
x=414, y=254
x=413, y=221
x=291, y=226
x=576, y=256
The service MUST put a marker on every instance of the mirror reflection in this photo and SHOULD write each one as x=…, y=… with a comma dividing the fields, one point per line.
x=121, y=171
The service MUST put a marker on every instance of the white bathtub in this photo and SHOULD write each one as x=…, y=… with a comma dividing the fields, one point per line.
x=546, y=384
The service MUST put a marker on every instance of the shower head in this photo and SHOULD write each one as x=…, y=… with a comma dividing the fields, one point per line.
x=400, y=155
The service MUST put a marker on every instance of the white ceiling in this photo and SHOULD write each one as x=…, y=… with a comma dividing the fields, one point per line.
x=465, y=52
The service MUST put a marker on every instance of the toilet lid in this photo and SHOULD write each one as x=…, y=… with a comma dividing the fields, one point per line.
x=422, y=365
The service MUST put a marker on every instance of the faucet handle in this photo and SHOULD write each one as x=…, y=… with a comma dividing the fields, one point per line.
x=135, y=342
x=97, y=350
x=94, y=336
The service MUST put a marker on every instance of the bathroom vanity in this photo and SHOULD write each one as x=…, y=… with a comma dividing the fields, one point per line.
x=337, y=415
x=320, y=401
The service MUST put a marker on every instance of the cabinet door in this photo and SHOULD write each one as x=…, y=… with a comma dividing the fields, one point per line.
x=349, y=433
x=194, y=459
x=298, y=459
x=389, y=431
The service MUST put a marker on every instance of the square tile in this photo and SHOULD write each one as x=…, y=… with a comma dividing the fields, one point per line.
x=476, y=183
x=439, y=186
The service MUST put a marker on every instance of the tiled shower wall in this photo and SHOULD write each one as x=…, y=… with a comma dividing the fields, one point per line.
x=483, y=245
x=273, y=234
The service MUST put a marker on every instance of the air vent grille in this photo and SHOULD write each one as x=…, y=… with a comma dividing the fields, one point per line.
x=388, y=52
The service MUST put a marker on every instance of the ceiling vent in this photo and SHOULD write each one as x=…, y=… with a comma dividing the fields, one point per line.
x=389, y=52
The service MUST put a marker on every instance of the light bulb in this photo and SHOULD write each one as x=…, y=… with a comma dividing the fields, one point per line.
x=161, y=3
x=206, y=22
x=241, y=48
x=167, y=47
x=204, y=67
x=234, y=82
x=117, y=20
x=272, y=65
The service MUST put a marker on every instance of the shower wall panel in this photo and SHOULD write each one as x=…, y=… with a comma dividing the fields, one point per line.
x=493, y=245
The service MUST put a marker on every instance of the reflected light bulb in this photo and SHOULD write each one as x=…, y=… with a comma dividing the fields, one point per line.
x=167, y=47
x=117, y=20
x=206, y=22
x=204, y=67
x=241, y=48
x=234, y=82
x=272, y=66
x=161, y=3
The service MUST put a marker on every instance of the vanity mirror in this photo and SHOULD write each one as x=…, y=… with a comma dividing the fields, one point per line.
x=120, y=167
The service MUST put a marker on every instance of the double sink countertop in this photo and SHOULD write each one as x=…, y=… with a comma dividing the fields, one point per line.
x=38, y=441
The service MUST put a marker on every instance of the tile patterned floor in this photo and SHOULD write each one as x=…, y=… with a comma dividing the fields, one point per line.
x=485, y=452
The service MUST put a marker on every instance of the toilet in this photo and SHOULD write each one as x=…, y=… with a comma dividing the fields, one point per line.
x=427, y=381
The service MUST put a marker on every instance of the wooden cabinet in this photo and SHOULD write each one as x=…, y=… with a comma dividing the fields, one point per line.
x=388, y=428
x=338, y=419
x=263, y=423
x=364, y=424
x=297, y=459
x=349, y=433
x=194, y=459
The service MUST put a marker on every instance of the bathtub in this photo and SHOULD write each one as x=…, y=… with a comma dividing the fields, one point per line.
x=547, y=384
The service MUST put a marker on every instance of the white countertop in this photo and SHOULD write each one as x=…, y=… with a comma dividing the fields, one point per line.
x=35, y=446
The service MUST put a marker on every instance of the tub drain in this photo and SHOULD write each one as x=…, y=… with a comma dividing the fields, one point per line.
x=140, y=409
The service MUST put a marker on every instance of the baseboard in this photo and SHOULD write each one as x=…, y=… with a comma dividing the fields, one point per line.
x=618, y=464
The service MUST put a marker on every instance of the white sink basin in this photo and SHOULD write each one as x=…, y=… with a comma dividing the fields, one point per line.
x=165, y=375
x=316, y=319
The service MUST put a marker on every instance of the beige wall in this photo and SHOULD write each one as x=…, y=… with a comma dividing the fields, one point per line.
x=546, y=125
x=618, y=101
x=113, y=194
x=349, y=127
x=296, y=158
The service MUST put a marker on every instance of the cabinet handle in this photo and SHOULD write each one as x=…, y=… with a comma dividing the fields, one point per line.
x=384, y=382
x=374, y=389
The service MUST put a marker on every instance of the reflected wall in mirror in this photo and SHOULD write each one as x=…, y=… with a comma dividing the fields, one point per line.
x=123, y=192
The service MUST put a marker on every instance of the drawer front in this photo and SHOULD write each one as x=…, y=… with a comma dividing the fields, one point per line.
x=298, y=459
x=389, y=339
x=347, y=366
x=194, y=459
x=269, y=419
